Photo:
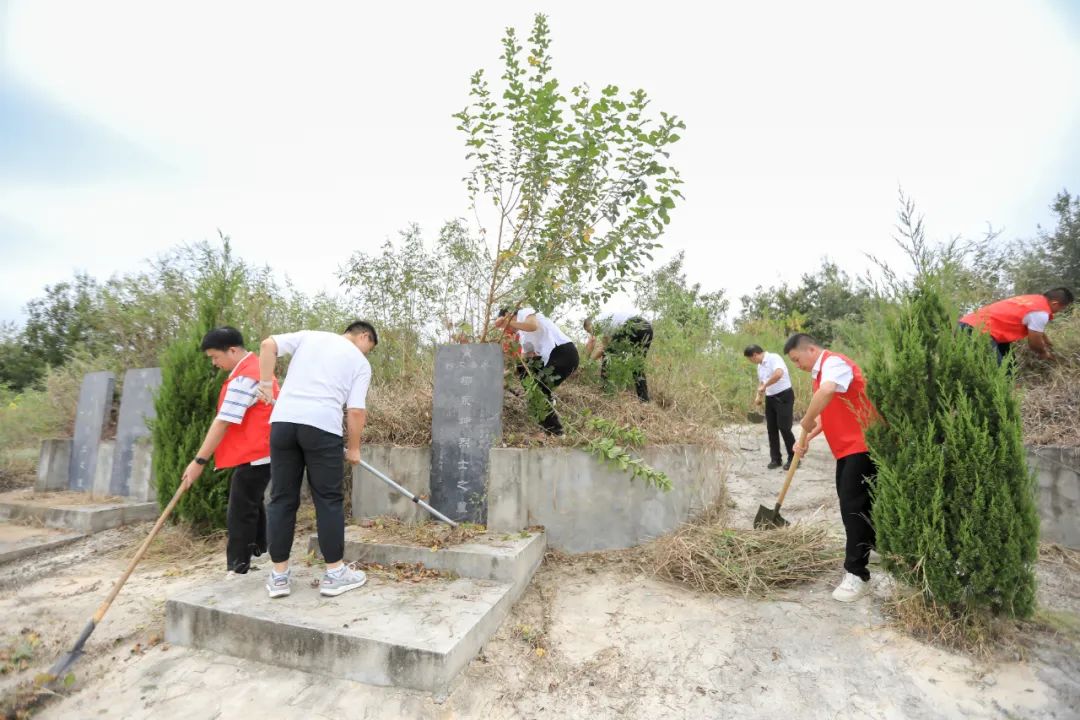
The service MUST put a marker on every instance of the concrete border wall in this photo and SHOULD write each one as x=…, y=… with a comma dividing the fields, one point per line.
x=582, y=504
x=1057, y=472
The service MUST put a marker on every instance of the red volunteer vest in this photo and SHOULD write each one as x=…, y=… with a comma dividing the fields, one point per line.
x=1004, y=320
x=844, y=418
x=250, y=439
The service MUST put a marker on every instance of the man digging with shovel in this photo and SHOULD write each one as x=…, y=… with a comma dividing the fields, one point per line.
x=840, y=409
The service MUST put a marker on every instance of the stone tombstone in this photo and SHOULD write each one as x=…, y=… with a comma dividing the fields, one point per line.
x=92, y=414
x=136, y=408
x=466, y=420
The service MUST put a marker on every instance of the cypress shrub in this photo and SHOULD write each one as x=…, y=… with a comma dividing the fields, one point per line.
x=954, y=499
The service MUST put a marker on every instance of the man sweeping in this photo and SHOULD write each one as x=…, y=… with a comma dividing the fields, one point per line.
x=774, y=385
x=239, y=437
x=1016, y=318
x=328, y=372
x=621, y=336
x=840, y=409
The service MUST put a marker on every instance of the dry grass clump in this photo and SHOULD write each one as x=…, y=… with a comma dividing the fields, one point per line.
x=434, y=535
x=1050, y=404
x=178, y=546
x=400, y=414
x=707, y=556
x=975, y=633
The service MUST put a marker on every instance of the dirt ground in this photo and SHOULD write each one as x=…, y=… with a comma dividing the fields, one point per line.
x=594, y=637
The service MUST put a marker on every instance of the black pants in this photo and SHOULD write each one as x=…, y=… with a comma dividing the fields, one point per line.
x=246, y=516
x=778, y=411
x=631, y=343
x=853, y=489
x=293, y=449
x=562, y=362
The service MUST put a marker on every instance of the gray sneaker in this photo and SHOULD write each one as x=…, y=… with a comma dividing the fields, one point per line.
x=279, y=586
x=333, y=586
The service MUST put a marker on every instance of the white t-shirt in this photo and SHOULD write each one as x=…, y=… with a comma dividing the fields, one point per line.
x=326, y=373
x=1036, y=320
x=609, y=321
x=546, y=338
x=835, y=370
x=765, y=369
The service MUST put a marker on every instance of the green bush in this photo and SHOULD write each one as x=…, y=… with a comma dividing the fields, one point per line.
x=954, y=499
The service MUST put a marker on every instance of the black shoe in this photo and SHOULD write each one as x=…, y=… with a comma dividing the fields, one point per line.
x=773, y=465
x=787, y=465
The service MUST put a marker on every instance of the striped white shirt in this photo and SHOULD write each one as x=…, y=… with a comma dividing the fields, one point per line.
x=239, y=396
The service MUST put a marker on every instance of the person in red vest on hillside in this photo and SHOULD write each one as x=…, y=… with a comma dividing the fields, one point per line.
x=239, y=437
x=1013, y=319
x=840, y=409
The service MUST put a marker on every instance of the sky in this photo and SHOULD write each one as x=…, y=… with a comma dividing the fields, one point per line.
x=127, y=128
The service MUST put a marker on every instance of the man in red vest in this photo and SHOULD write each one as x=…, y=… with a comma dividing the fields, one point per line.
x=238, y=438
x=1016, y=318
x=840, y=409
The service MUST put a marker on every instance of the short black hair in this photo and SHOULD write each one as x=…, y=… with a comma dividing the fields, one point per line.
x=358, y=327
x=222, y=338
x=799, y=340
x=1062, y=295
x=752, y=350
x=503, y=312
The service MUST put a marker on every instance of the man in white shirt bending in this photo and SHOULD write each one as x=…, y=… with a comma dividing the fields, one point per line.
x=327, y=372
x=774, y=384
x=551, y=356
x=622, y=336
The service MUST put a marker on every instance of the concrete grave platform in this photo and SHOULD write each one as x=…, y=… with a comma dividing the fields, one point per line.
x=499, y=557
x=18, y=541
x=416, y=635
x=74, y=510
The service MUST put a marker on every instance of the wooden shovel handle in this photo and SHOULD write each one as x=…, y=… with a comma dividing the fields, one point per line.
x=790, y=472
x=138, y=555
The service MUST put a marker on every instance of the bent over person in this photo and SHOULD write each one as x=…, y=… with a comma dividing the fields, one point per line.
x=545, y=348
x=1016, y=318
x=624, y=336
x=327, y=372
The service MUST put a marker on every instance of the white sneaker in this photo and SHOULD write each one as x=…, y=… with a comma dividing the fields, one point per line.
x=851, y=589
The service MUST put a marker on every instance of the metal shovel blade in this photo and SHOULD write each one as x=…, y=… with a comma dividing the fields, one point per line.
x=769, y=518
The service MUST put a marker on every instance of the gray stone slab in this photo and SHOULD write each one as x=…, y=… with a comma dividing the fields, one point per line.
x=413, y=635
x=466, y=420
x=88, y=517
x=407, y=466
x=136, y=408
x=499, y=557
x=103, y=469
x=1057, y=475
x=54, y=459
x=92, y=415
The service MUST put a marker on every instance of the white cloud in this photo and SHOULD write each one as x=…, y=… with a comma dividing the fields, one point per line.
x=308, y=134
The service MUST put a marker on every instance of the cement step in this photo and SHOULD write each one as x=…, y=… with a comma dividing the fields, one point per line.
x=499, y=557
x=18, y=541
x=417, y=635
x=75, y=511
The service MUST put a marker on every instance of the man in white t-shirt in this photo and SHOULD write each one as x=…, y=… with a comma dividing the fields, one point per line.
x=622, y=336
x=327, y=372
x=551, y=356
x=774, y=384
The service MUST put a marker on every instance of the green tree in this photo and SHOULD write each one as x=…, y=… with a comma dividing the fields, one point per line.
x=1053, y=258
x=572, y=190
x=187, y=400
x=69, y=315
x=954, y=500
x=19, y=367
x=679, y=306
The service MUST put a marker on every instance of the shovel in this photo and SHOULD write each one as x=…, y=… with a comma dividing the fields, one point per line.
x=767, y=518
x=67, y=660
